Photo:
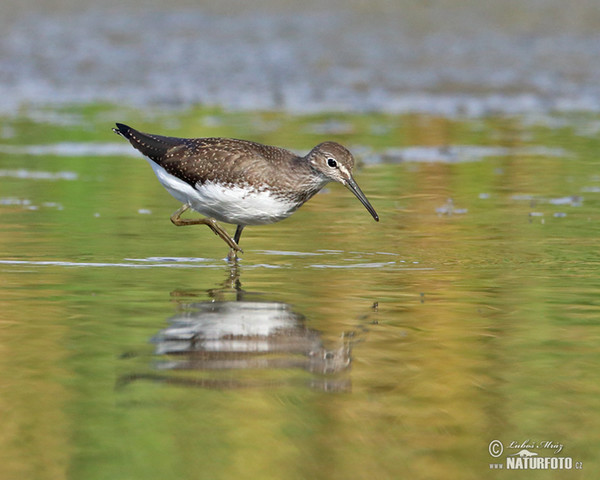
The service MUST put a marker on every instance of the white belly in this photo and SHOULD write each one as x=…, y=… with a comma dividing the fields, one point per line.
x=240, y=206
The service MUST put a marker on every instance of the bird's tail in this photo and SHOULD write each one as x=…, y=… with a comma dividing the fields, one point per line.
x=152, y=146
x=123, y=130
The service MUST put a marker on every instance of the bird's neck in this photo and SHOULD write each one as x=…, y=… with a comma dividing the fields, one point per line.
x=303, y=181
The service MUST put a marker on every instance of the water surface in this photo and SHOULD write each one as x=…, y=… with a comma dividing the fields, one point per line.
x=338, y=347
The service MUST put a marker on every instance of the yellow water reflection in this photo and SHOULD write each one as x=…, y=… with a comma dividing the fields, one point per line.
x=456, y=323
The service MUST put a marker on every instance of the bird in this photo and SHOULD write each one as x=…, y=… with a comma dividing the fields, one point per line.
x=241, y=182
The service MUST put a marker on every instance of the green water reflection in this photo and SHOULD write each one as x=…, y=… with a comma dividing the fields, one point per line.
x=467, y=322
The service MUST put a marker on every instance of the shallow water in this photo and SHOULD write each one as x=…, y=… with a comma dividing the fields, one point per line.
x=338, y=347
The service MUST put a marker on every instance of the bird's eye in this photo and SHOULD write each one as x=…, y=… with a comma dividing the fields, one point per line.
x=331, y=162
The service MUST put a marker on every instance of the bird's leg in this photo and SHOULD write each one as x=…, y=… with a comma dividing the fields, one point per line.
x=236, y=238
x=238, y=233
x=210, y=222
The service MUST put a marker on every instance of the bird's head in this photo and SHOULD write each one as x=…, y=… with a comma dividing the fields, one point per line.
x=335, y=163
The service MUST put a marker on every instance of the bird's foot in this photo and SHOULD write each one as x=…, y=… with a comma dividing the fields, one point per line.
x=232, y=255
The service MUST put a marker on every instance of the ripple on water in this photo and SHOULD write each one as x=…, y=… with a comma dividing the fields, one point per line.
x=357, y=262
x=170, y=259
x=457, y=153
x=64, y=149
x=28, y=204
x=290, y=253
x=66, y=263
x=38, y=175
x=355, y=265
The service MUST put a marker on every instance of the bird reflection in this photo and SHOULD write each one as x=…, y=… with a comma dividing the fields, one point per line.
x=239, y=343
x=245, y=334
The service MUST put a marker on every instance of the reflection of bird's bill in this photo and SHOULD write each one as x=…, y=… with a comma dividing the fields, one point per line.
x=355, y=189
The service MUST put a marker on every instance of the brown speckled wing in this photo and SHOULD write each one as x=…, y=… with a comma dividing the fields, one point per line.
x=222, y=160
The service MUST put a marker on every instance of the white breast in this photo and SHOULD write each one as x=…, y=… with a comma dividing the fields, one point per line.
x=237, y=205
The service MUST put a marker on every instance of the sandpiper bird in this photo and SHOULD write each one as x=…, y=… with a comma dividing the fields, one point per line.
x=239, y=181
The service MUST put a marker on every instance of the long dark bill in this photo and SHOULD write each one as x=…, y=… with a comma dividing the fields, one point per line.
x=355, y=189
